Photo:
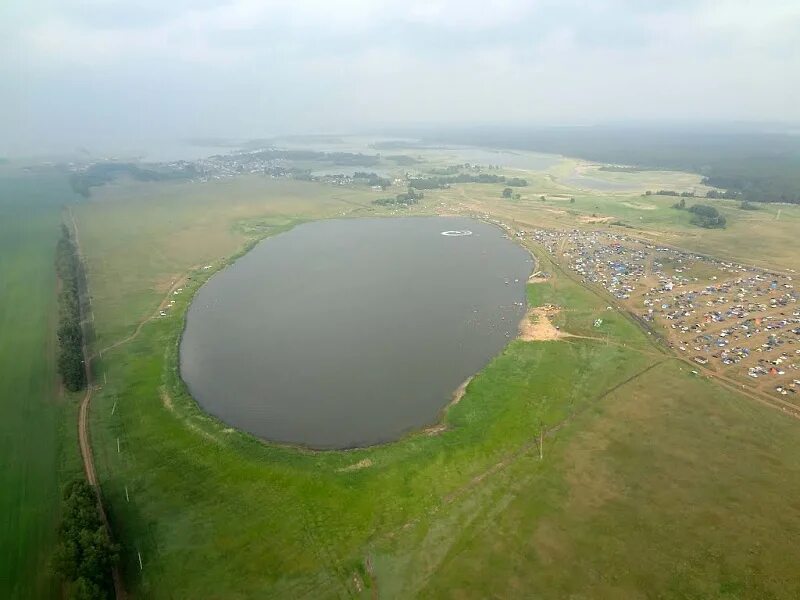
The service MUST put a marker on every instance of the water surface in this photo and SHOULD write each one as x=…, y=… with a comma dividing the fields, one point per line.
x=347, y=333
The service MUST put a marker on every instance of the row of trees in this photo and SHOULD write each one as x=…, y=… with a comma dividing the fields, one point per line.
x=711, y=194
x=669, y=193
x=441, y=181
x=85, y=554
x=349, y=159
x=408, y=198
x=70, y=334
x=105, y=172
x=720, y=194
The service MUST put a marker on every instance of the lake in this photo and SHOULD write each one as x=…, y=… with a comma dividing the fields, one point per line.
x=352, y=332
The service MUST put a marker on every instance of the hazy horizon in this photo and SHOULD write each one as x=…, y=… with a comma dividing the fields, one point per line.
x=115, y=73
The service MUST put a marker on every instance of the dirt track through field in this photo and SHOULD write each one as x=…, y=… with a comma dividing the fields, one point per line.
x=83, y=431
x=522, y=450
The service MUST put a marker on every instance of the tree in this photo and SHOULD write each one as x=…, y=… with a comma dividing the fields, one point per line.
x=508, y=192
x=84, y=554
x=707, y=217
x=69, y=332
x=86, y=589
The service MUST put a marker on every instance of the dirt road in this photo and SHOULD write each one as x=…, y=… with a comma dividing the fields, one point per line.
x=83, y=430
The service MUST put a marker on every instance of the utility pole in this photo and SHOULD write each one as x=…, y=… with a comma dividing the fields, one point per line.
x=541, y=443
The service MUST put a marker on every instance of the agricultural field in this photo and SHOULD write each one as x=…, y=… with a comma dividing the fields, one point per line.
x=595, y=464
x=37, y=442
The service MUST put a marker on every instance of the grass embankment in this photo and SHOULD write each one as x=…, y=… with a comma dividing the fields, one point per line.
x=649, y=473
x=36, y=427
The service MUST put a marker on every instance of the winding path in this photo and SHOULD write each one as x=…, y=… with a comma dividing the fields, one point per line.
x=180, y=282
x=83, y=431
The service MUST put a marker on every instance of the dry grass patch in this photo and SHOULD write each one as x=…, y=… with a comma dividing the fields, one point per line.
x=536, y=325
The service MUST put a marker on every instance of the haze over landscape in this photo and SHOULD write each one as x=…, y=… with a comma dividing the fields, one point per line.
x=103, y=74
x=390, y=300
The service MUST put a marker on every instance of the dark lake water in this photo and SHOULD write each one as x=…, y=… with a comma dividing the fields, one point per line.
x=348, y=333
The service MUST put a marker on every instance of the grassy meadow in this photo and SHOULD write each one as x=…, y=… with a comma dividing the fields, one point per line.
x=594, y=466
x=653, y=482
x=37, y=446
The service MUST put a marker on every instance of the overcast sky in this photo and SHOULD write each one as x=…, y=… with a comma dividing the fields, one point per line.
x=93, y=71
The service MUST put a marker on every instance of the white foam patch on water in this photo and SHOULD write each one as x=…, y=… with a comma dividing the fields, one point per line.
x=456, y=233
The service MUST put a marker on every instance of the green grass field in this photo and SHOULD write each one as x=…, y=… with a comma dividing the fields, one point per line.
x=34, y=420
x=654, y=483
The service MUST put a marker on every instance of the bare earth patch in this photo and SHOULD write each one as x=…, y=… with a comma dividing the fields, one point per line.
x=458, y=394
x=362, y=464
x=537, y=277
x=595, y=219
x=637, y=206
x=166, y=399
x=537, y=327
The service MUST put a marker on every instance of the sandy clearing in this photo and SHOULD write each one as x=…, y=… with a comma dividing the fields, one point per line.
x=537, y=277
x=536, y=326
x=596, y=219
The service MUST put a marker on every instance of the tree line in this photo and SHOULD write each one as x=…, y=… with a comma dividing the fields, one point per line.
x=70, y=333
x=408, y=198
x=711, y=194
x=442, y=181
x=105, y=172
x=760, y=166
x=336, y=158
x=85, y=554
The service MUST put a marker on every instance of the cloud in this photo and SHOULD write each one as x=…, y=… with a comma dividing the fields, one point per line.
x=252, y=66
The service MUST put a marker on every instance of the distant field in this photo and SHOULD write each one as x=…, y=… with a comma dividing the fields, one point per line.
x=152, y=234
x=654, y=482
x=766, y=237
x=34, y=420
